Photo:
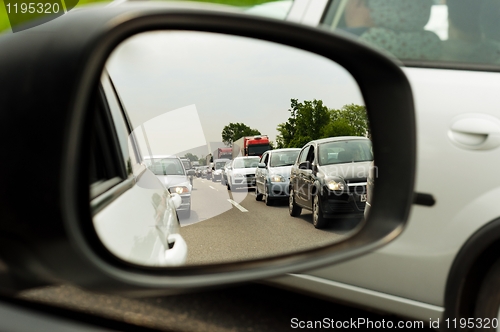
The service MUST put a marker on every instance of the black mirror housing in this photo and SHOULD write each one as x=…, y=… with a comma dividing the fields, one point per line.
x=63, y=80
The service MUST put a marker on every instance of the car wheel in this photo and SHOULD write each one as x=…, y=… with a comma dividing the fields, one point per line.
x=488, y=300
x=258, y=195
x=267, y=199
x=319, y=220
x=293, y=208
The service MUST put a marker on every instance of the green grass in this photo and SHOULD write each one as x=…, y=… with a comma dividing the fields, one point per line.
x=5, y=25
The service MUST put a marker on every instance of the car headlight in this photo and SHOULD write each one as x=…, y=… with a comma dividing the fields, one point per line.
x=179, y=190
x=237, y=175
x=335, y=184
x=277, y=178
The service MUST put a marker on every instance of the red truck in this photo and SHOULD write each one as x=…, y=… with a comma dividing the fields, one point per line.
x=251, y=146
x=224, y=153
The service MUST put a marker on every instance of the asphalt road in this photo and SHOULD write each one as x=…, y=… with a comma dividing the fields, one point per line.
x=228, y=226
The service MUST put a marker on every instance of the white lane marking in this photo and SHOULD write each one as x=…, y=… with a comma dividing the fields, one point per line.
x=239, y=207
x=213, y=188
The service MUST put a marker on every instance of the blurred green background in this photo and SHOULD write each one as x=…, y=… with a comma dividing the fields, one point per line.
x=5, y=26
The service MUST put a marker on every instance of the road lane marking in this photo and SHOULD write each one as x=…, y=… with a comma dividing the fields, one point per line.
x=213, y=188
x=239, y=207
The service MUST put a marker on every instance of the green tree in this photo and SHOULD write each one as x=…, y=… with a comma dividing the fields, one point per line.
x=202, y=161
x=234, y=131
x=354, y=116
x=191, y=157
x=339, y=127
x=307, y=122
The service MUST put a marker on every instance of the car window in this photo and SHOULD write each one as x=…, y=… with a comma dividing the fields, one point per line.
x=119, y=121
x=344, y=152
x=187, y=164
x=111, y=157
x=170, y=166
x=246, y=163
x=310, y=154
x=284, y=158
x=303, y=154
x=432, y=32
x=219, y=164
x=265, y=158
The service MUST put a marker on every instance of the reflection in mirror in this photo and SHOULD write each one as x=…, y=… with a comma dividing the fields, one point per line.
x=267, y=146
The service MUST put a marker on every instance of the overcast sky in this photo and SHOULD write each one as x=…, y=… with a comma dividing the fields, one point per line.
x=186, y=86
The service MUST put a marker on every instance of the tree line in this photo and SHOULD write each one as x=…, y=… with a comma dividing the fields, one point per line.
x=309, y=120
x=312, y=120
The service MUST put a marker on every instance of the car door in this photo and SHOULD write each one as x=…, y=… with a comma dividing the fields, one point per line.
x=139, y=224
x=261, y=173
x=301, y=187
x=310, y=176
x=457, y=117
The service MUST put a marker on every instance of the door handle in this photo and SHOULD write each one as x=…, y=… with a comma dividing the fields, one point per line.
x=475, y=131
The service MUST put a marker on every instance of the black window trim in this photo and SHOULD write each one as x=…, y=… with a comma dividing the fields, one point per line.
x=107, y=138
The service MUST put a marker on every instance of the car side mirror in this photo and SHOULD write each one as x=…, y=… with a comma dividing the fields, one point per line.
x=104, y=212
x=262, y=165
x=190, y=172
x=305, y=165
x=176, y=199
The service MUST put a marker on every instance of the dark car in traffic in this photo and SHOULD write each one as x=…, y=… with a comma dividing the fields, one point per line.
x=329, y=178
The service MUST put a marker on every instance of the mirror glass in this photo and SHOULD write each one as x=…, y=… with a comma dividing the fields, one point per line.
x=205, y=110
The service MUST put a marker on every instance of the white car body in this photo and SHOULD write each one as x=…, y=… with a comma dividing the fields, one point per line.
x=141, y=225
x=237, y=177
x=409, y=276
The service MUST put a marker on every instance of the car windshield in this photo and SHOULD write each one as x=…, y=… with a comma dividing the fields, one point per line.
x=219, y=164
x=344, y=152
x=246, y=163
x=447, y=33
x=255, y=150
x=283, y=158
x=170, y=166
